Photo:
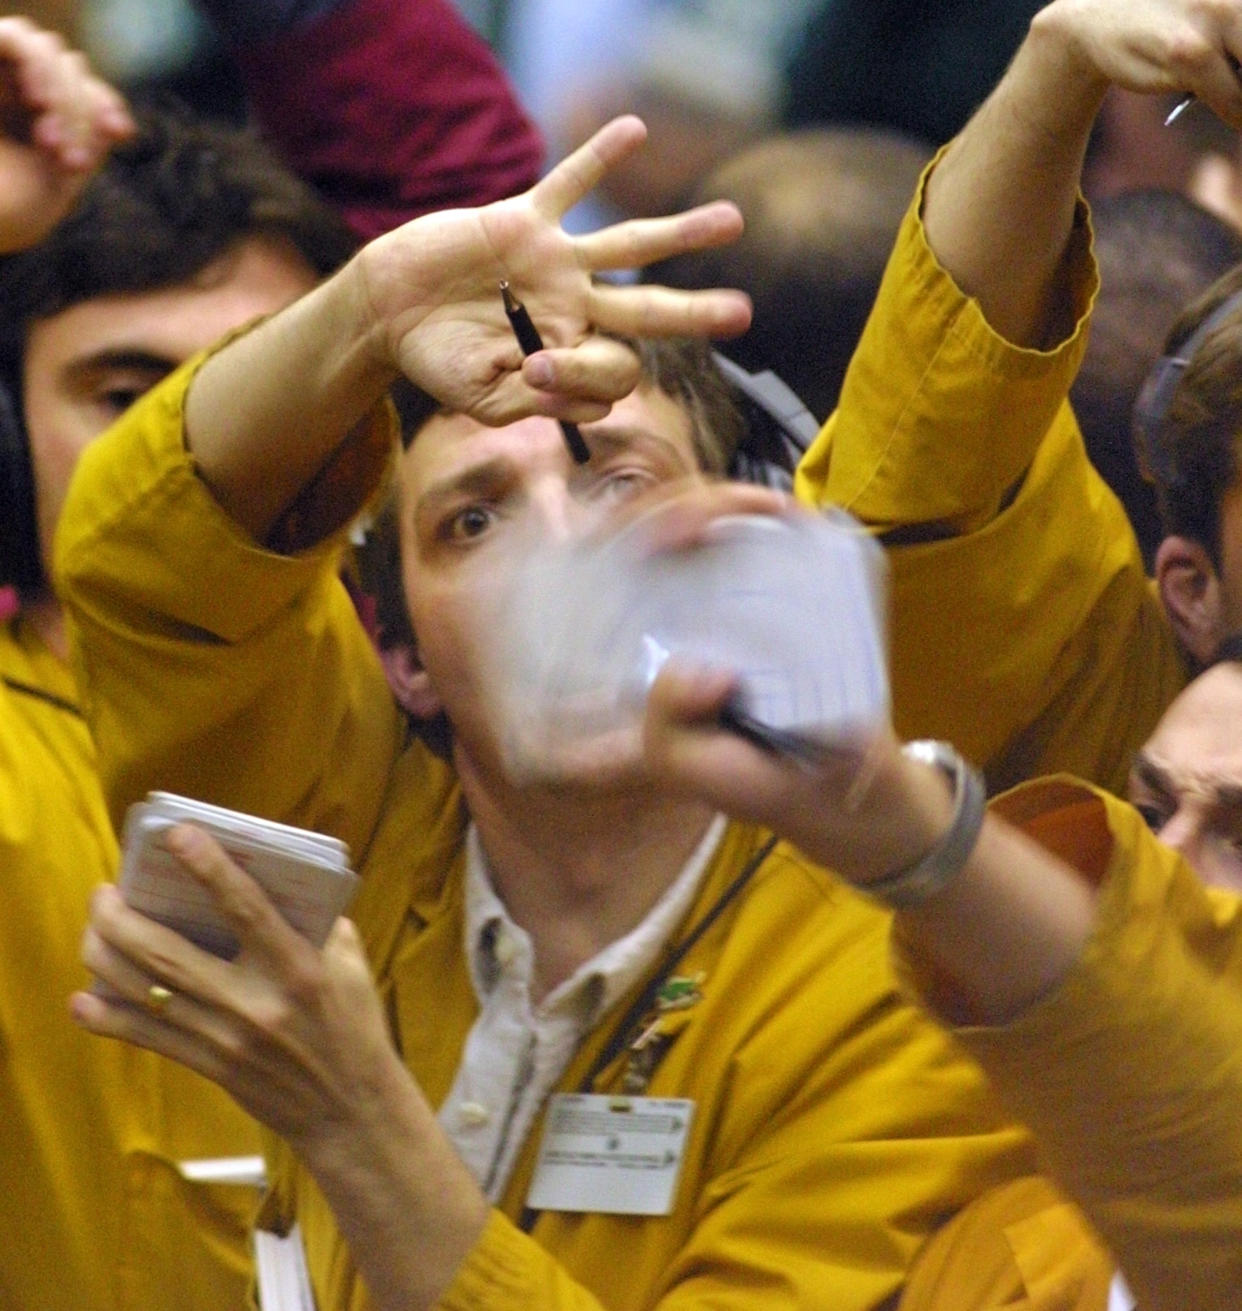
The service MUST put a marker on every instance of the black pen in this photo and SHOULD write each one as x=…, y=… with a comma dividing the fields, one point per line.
x=530, y=341
x=1185, y=103
x=775, y=741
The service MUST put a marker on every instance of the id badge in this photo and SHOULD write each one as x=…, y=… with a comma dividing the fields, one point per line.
x=611, y=1155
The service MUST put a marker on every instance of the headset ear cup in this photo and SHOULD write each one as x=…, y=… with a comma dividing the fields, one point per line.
x=779, y=428
x=20, y=565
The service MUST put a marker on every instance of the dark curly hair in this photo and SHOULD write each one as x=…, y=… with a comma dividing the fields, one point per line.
x=168, y=203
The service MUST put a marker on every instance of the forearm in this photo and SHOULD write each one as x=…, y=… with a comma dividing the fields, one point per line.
x=265, y=413
x=407, y=1207
x=1004, y=930
x=999, y=209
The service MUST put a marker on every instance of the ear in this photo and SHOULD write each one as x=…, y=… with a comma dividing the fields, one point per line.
x=409, y=682
x=1190, y=590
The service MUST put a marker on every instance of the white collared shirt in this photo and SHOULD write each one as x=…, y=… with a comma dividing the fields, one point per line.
x=515, y=1052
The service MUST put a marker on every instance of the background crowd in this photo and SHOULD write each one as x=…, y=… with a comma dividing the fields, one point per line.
x=268, y=448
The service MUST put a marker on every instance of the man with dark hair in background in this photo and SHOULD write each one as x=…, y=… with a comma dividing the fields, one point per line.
x=1157, y=251
x=188, y=232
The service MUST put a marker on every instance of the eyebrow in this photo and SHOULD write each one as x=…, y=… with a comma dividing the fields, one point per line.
x=604, y=438
x=611, y=437
x=478, y=479
x=1225, y=795
x=1150, y=774
x=131, y=358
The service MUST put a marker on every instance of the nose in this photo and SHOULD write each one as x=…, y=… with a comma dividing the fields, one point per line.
x=560, y=515
x=1183, y=831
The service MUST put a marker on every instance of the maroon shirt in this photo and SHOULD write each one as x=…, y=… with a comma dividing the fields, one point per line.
x=392, y=109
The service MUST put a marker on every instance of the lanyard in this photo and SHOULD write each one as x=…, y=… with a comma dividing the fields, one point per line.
x=624, y=1031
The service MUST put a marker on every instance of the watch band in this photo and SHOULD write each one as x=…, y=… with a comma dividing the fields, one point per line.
x=913, y=884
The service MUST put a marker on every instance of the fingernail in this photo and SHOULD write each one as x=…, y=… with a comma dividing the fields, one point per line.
x=538, y=371
x=181, y=840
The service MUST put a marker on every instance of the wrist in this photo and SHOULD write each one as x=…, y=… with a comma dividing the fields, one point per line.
x=1062, y=59
x=940, y=843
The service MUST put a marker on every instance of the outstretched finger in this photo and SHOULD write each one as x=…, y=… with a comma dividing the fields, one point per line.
x=638, y=242
x=598, y=369
x=581, y=171
x=650, y=311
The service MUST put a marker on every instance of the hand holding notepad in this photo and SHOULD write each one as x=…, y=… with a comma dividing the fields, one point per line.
x=306, y=874
x=794, y=606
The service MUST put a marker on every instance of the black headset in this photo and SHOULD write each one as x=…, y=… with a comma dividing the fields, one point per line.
x=1156, y=394
x=20, y=564
x=779, y=428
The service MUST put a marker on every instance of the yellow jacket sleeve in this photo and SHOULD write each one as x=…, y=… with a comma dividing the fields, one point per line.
x=1130, y=1073
x=1023, y=628
x=167, y=592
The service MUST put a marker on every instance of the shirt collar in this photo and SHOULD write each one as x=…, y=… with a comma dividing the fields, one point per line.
x=496, y=945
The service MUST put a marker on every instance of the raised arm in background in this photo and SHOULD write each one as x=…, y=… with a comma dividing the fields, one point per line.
x=57, y=123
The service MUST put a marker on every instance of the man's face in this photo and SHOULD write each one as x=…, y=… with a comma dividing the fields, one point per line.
x=1187, y=780
x=86, y=365
x=474, y=498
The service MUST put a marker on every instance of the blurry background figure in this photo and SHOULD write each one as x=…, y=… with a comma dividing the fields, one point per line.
x=822, y=207
x=145, y=46
x=1157, y=251
x=918, y=66
x=707, y=78
x=715, y=74
x=166, y=46
x=1132, y=147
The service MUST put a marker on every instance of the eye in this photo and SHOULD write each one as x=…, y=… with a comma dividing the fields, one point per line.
x=113, y=388
x=468, y=523
x=116, y=400
x=621, y=484
x=1154, y=816
x=1231, y=841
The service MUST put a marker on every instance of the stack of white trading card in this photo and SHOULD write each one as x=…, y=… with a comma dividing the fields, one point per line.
x=306, y=874
x=795, y=606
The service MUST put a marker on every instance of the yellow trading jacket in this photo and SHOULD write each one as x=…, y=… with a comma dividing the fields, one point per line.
x=93, y=1211
x=835, y=1127
x=1023, y=628
x=1130, y=1072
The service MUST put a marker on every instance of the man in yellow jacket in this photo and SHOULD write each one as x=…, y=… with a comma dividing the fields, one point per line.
x=469, y=932
x=101, y=1206
x=532, y=943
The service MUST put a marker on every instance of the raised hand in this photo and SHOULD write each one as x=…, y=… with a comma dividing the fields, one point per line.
x=57, y=123
x=432, y=288
x=1155, y=46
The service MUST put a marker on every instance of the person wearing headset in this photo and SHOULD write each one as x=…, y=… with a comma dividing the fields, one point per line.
x=537, y=948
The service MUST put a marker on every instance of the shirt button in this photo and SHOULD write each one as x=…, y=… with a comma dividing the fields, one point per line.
x=473, y=1115
x=505, y=949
